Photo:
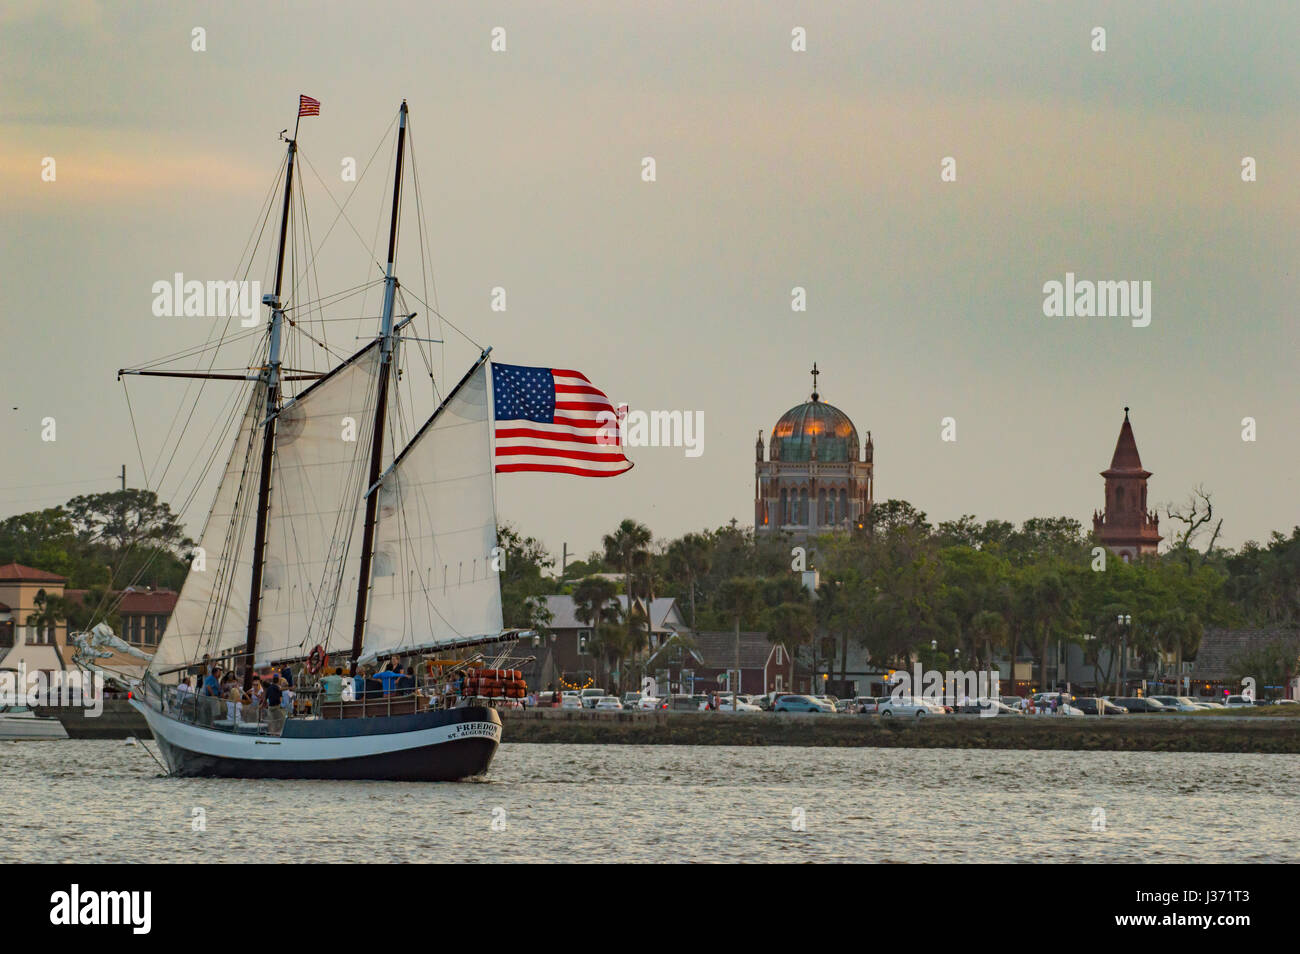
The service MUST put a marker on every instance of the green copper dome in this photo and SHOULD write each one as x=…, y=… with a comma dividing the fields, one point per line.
x=837, y=438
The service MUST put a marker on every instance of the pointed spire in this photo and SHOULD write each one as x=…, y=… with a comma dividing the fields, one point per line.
x=1126, y=452
x=815, y=372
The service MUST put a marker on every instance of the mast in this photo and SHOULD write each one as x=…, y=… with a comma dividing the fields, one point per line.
x=381, y=404
x=271, y=381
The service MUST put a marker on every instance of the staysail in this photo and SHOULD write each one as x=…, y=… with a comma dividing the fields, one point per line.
x=309, y=584
x=435, y=577
x=211, y=614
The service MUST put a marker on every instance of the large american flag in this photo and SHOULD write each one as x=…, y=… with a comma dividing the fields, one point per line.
x=308, y=106
x=548, y=419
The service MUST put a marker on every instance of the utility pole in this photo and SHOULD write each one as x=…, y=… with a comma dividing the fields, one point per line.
x=124, y=478
x=735, y=690
x=564, y=559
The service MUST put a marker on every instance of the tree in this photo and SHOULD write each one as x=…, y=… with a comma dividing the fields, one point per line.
x=523, y=582
x=127, y=518
x=792, y=625
x=627, y=548
x=594, y=603
x=50, y=611
x=690, y=557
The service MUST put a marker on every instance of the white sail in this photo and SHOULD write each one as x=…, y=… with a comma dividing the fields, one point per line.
x=211, y=614
x=434, y=580
x=322, y=452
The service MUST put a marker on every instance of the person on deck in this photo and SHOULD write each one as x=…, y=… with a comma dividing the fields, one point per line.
x=333, y=686
x=405, y=682
x=388, y=678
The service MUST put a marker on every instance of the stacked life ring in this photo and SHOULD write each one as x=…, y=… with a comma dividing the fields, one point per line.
x=318, y=660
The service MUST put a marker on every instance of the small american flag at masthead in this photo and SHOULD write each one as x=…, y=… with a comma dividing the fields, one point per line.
x=554, y=421
x=308, y=106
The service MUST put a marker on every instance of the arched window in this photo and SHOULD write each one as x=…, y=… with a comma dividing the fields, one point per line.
x=1119, y=497
x=803, y=506
x=830, y=509
x=821, y=507
x=785, y=507
x=844, y=504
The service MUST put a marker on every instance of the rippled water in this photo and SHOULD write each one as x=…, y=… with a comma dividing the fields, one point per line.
x=105, y=801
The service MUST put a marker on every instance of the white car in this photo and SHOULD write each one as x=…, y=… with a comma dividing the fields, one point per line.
x=909, y=707
x=725, y=705
x=1238, y=702
x=649, y=702
x=608, y=702
x=571, y=701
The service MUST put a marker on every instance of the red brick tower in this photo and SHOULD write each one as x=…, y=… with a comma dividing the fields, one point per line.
x=1126, y=527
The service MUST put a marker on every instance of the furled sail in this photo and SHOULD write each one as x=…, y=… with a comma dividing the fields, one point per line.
x=309, y=584
x=434, y=580
x=211, y=614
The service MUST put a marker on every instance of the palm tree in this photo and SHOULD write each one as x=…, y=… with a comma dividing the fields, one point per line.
x=627, y=548
x=792, y=625
x=594, y=604
x=691, y=556
x=50, y=610
x=989, y=630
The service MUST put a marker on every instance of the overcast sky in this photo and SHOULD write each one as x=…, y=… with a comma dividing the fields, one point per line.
x=775, y=169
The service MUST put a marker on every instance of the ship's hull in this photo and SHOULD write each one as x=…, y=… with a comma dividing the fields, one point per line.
x=433, y=746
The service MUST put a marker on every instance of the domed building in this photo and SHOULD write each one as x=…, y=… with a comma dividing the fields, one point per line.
x=817, y=476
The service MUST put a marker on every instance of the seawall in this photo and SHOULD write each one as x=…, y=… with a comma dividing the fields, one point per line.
x=1155, y=733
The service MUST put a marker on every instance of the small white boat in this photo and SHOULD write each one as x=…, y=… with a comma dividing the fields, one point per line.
x=19, y=723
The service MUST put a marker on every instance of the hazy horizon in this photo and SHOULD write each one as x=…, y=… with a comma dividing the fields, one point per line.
x=775, y=169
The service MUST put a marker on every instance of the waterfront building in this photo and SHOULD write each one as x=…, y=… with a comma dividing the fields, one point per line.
x=1126, y=527
x=27, y=633
x=814, y=475
x=700, y=663
x=1217, y=670
x=567, y=640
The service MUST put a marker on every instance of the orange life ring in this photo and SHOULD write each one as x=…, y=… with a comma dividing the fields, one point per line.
x=318, y=660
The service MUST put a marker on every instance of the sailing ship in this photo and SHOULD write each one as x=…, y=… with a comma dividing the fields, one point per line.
x=317, y=546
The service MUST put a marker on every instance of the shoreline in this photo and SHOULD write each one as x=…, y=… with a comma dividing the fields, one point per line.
x=1129, y=733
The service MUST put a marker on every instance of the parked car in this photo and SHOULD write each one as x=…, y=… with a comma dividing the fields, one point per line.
x=591, y=696
x=681, y=703
x=791, y=703
x=989, y=708
x=909, y=707
x=830, y=701
x=1286, y=702
x=1237, y=702
x=1142, y=704
x=630, y=699
x=726, y=705
x=1091, y=705
x=1015, y=702
x=1180, y=703
x=650, y=703
x=571, y=701
x=607, y=703
x=1210, y=703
